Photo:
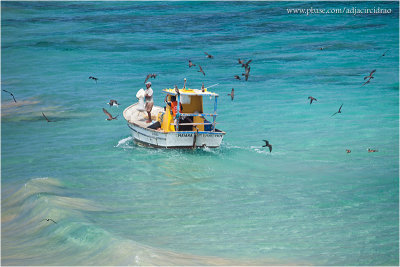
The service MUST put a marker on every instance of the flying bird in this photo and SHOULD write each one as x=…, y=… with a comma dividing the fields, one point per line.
x=384, y=54
x=370, y=75
x=113, y=103
x=339, y=111
x=237, y=77
x=365, y=82
x=93, y=78
x=191, y=64
x=110, y=117
x=312, y=99
x=46, y=118
x=267, y=144
x=208, y=55
x=153, y=75
x=232, y=94
x=246, y=74
x=245, y=65
x=201, y=70
x=11, y=95
x=49, y=220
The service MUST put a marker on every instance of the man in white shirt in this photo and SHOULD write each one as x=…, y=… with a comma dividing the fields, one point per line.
x=148, y=95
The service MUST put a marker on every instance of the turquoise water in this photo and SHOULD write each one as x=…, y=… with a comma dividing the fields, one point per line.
x=116, y=203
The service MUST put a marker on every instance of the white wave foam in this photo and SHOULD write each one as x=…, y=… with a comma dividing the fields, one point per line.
x=207, y=149
x=124, y=142
x=261, y=150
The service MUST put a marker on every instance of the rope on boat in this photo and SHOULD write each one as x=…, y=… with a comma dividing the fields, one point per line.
x=212, y=85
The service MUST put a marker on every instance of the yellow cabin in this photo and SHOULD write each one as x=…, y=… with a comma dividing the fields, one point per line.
x=191, y=116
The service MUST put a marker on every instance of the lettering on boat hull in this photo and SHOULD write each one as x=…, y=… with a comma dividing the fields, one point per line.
x=150, y=137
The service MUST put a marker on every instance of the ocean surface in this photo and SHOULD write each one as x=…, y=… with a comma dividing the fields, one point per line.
x=308, y=202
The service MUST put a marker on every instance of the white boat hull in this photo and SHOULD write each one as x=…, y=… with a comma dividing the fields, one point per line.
x=136, y=120
x=187, y=139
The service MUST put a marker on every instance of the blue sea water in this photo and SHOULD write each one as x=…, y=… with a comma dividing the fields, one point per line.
x=116, y=203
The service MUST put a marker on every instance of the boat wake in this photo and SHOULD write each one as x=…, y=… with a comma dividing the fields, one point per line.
x=125, y=142
x=260, y=150
x=257, y=149
x=207, y=149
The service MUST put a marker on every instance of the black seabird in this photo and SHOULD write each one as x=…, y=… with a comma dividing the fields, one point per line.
x=208, y=55
x=49, y=220
x=267, y=144
x=232, y=94
x=46, y=118
x=201, y=70
x=11, y=95
x=312, y=99
x=339, y=111
x=93, y=78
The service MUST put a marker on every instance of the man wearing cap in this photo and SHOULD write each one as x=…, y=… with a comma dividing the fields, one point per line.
x=148, y=95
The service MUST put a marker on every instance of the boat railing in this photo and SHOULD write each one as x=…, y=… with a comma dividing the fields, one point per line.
x=196, y=123
x=198, y=114
x=213, y=115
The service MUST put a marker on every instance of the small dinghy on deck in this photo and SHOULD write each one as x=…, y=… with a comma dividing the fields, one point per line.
x=181, y=124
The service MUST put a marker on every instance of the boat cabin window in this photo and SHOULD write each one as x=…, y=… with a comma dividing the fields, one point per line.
x=195, y=104
x=185, y=99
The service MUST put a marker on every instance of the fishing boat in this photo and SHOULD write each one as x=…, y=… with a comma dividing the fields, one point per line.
x=182, y=123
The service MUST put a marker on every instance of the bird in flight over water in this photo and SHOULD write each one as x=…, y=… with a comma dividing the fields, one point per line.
x=191, y=64
x=110, y=117
x=246, y=74
x=245, y=65
x=11, y=95
x=267, y=144
x=232, y=94
x=201, y=70
x=49, y=220
x=93, y=78
x=208, y=55
x=369, y=76
x=46, y=118
x=339, y=111
x=383, y=54
x=152, y=75
x=312, y=99
x=113, y=103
